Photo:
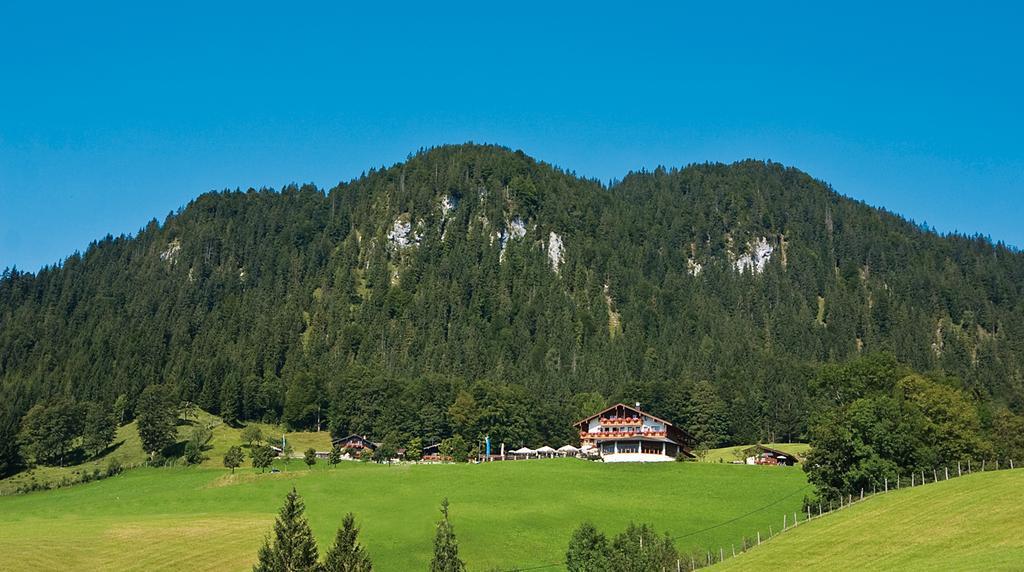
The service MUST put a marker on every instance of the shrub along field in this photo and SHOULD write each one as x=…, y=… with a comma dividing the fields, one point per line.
x=505, y=514
x=126, y=450
x=969, y=523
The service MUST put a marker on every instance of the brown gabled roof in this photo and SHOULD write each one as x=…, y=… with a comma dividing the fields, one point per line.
x=630, y=407
x=777, y=452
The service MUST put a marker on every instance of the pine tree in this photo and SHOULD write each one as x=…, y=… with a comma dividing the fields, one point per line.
x=347, y=555
x=309, y=457
x=446, y=548
x=292, y=548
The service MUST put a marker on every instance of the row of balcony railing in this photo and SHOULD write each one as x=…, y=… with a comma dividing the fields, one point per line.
x=621, y=421
x=621, y=434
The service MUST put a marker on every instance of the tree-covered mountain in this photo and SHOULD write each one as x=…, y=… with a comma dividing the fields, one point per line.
x=472, y=289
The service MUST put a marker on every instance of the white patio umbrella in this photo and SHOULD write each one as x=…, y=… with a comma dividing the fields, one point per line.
x=524, y=451
x=567, y=450
x=545, y=450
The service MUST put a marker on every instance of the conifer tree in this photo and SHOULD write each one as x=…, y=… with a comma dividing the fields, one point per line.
x=347, y=555
x=309, y=457
x=446, y=548
x=292, y=547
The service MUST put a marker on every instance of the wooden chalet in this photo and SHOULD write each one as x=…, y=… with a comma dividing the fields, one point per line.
x=761, y=455
x=431, y=452
x=355, y=442
x=624, y=433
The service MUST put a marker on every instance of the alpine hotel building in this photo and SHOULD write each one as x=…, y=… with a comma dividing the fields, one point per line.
x=623, y=433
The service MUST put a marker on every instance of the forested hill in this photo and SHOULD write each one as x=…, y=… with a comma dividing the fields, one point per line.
x=538, y=292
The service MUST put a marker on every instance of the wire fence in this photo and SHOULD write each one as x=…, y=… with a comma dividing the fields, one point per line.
x=695, y=560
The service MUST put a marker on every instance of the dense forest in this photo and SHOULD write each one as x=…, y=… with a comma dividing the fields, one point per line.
x=472, y=290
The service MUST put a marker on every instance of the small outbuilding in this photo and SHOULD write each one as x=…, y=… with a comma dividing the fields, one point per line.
x=761, y=455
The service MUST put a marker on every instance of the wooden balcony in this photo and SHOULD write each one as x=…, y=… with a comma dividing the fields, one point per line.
x=621, y=422
x=622, y=435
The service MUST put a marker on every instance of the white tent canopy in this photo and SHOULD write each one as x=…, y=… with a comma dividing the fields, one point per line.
x=524, y=451
x=546, y=450
x=568, y=449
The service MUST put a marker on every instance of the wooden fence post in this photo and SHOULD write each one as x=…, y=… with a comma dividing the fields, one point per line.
x=935, y=475
x=862, y=493
x=959, y=473
x=911, y=479
x=784, y=523
x=759, y=538
x=947, y=472
x=721, y=554
x=886, y=484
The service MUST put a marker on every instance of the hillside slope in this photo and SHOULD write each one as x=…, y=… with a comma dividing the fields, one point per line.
x=389, y=294
x=970, y=523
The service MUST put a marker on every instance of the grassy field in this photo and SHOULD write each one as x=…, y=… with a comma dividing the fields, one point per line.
x=127, y=450
x=513, y=513
x=730, y=454
x=971, y=523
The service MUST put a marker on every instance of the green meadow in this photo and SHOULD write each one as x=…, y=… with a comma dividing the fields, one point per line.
x=505, y=514
x=971, y=523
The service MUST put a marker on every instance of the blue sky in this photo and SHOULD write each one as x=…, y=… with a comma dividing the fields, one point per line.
x=111, y=115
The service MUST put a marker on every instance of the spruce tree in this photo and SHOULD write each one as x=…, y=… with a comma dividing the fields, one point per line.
x=292, y=548
x=446, y=548
x=347, y=555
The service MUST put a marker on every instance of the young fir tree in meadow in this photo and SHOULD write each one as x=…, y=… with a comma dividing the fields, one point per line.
x=334, y=457
x=309, y=457
x=233, y=458
x=347, y=555
x=446, y=548
x=292, y=547
x=588, y=550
